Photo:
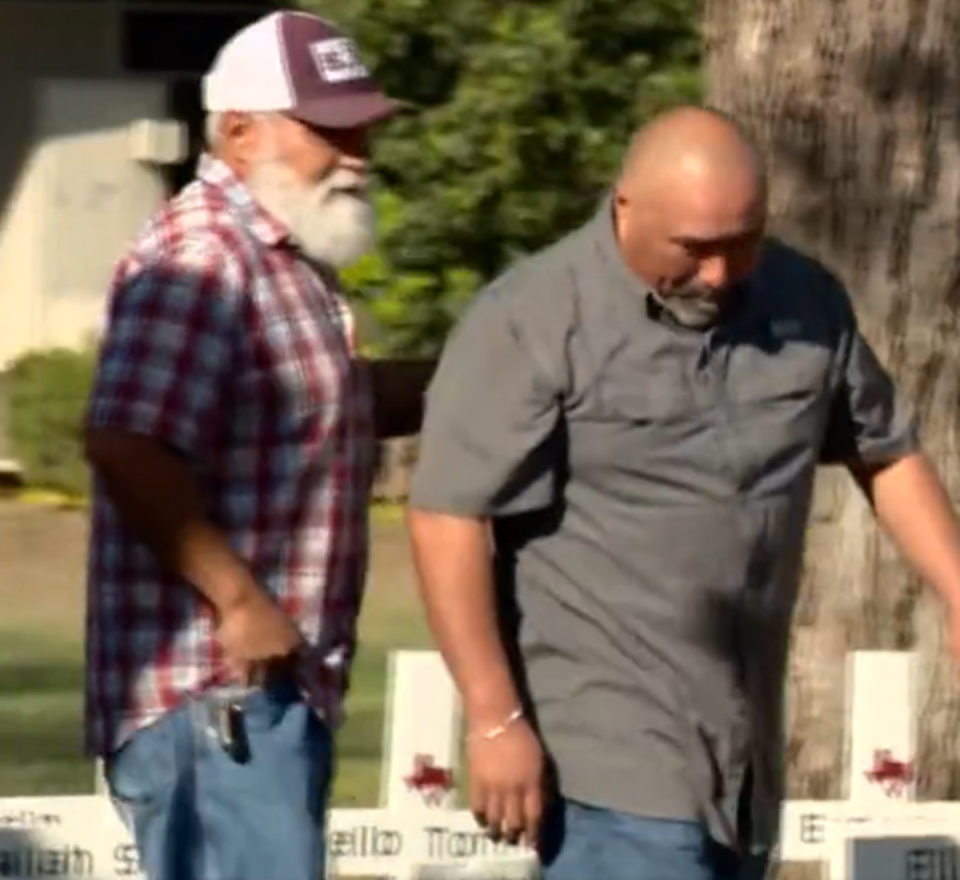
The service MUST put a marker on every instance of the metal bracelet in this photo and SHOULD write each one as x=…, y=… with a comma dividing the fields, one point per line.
x=500, y=729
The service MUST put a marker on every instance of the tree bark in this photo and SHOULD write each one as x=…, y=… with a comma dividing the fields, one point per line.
x=857, y=105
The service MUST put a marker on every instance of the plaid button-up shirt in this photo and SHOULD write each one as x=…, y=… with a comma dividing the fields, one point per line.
x=224, y=344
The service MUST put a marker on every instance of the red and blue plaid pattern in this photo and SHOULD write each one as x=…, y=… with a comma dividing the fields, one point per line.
x=224, y=344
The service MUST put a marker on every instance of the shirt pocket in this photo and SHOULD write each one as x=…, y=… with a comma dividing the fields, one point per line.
x=797, y=374
x=643, y=394
x=636, y=427
x=780, y=405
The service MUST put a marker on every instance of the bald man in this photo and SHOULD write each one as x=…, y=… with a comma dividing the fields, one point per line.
x=630, y=421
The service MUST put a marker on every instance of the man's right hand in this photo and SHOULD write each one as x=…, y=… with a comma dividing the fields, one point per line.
x=254, y=632
x=506, y=776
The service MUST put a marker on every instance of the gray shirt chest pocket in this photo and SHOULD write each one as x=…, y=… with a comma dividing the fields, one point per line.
x=779, y=404
x=644, y=399
x=793, y=375
x=637, y=427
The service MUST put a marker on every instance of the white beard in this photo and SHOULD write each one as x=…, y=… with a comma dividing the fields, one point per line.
x=332, y=222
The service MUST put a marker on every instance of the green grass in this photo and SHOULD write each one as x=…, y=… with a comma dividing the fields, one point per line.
x=40, y=716
x=41, y=707
x=360, y=741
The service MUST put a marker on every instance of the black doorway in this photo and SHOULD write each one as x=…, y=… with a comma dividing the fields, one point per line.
x=185, y=106
x=184, y=40
x=179, y=45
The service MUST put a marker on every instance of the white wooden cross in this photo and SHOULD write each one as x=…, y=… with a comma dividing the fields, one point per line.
x=881, y=712
x=415, y=835
x=880, y=832
x=418, y=781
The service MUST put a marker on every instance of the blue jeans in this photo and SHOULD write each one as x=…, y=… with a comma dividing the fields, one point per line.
x=580, y=842
x=198, y=814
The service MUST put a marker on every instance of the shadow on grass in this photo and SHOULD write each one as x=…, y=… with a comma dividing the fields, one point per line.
x=361, y=737
x=41, y=716
x=41, y=677
x=41, y=723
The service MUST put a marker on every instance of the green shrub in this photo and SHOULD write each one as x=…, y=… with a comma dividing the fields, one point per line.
x=403, y=314
x=47, y=397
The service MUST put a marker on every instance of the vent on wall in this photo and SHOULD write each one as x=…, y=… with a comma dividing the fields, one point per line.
x=158, y=141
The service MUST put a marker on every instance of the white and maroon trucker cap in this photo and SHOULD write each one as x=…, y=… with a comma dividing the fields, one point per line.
x=298, y=64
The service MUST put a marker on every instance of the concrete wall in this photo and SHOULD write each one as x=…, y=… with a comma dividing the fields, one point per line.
x=94, y=194
x=37, y=40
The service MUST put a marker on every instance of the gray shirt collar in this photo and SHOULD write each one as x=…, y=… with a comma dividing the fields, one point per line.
x=603, y=229
x=604, y=235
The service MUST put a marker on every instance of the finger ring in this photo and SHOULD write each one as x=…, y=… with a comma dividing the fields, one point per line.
x=511, y=835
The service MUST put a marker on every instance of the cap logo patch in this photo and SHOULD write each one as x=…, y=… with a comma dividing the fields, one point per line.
x=338, y=61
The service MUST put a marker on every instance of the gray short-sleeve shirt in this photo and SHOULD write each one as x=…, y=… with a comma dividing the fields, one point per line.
x=649, y=487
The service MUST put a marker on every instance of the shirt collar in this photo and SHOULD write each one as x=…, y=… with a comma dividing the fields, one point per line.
x=604, y=234
x=216, y=173
x=637, y=291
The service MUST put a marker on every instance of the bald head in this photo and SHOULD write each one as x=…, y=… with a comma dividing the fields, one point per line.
x=690, y=209
x=689, y=144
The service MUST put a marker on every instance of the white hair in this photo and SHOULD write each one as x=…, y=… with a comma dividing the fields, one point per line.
x=211, y=129
x=213, y=126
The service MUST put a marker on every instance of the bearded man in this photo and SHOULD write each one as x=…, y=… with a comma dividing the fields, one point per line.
x=231, y=434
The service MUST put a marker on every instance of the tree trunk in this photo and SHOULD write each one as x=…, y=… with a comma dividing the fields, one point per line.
x=857, y=104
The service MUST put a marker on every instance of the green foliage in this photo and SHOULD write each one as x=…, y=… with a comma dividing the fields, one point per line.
x=523, y=110
x=400, y=312
x=48, y=393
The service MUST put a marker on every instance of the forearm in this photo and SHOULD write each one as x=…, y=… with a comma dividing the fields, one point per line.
x=161, y=503
x=912, y=506
x=399, y=389
x=452, y=556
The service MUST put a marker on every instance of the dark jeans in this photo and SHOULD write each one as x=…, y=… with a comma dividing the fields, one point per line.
x=581, y=842
x=197, y=814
